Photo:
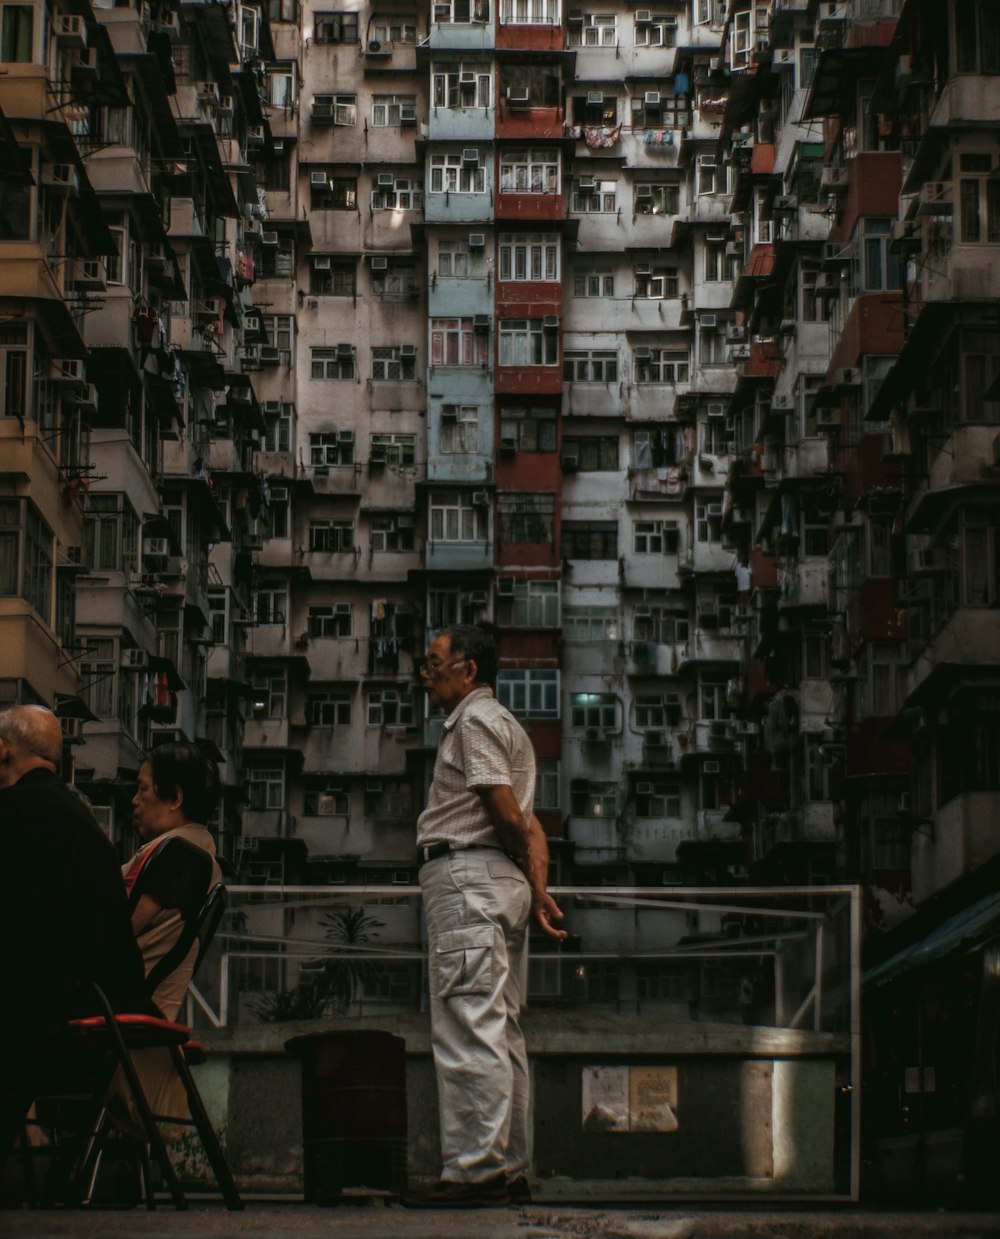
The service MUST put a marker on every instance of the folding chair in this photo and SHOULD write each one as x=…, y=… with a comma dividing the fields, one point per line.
x=107, y=1040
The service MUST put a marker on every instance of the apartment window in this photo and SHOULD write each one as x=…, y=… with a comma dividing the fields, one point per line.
x=451, y=175
x=546, y=783
x=392, y=535
x=341, y=109
x=595, y=197
x=329, y=277
x=461, y=86
x=528, y=604
x=594, y=800
x=593, y=283
x=336, y=620
x=590, y=366
x=531, y=170
x=457, y=261
x=111, y=533
x=880, y=268
x=16, y=30
x=528, y=342
x=218, y=615
x=595, y=710
x=25, y=554
x=265, y=786
x=335, y=28
x=269, y=694
x=712, y=347
x=714, y=436
x=655, y=537
x=390, y=707
x=979, y=199
x=279, y=513
x=280, y=86
x=525, y=517
x=278, y=261
x=590, y=540
x=395, y=280
x=529, y=692
x=388, y=110
x=405, y=194
x=812, y=309
x=331, y=363
x=456, y=342
x=529, y=12
x=656, y=199
x=654, y=799
x=590, y=623
x=336, y=193
x=710, y=176
x=99, y=669
x=590, y=111
x=393, y=449
x=455, y=517
x=326, y=802
x=655, y=711
x=331, y=536
x=661, y=625
x=595, y=30
x=660, y=32
x=394, y=364
x=332, y=447
x=718, y=266
x=528, y=429
x=391, y=28
x=461, y=11
x=707, y=521
x=328, y=707
x=977, y=37
x=710, y=12
x=656, y=283
x=389, y=798
x=660, y=365
x=279, y=333
x=591, y=452
x=529, y=256
x=980, y=366
x=712, y=704
x=270, y=603
x=459, y=428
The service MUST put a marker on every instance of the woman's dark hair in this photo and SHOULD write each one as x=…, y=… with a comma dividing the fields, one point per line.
x=188, y=769
x=475, y=643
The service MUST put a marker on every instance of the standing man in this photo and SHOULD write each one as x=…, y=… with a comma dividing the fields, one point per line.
x=64, y=915
x=483, y=860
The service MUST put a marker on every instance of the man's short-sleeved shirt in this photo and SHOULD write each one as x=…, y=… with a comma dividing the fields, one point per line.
x=482, y=745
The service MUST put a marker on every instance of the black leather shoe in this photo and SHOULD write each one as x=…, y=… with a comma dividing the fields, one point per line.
x=488, y=1193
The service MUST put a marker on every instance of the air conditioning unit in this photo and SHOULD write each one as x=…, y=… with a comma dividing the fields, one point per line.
x=643, y=17
x=256, y=135
x=135, y=659
x=271, y=408
x=585, y=185
x=385, y=180
x=71, y=31
x=643, y=191
x=643, y=268
x=508, y=445
x=319, y=180
x=846, y=376
x=467, y=79
x=270, y=356
x=783, y=204
x=377, y=48
x=477, y=240
x=714, y=511
x=269, y=238
x=570, y=462
x=85, y=398
x=481, y=322
x=321, y=262
x=643, y=354
x=518, y=96
x=644, y=788
x=345, y=350
x=61, y=177
x=408, y=114
x=716, y=409
x=345, y=436
x=505, y=587
x=449, y=413
x=379, y=263
x=595, y=97
x=72, y=730
x=155, y=548
x=480, y=499
x=550, y=322
x=712, y=767
x=707, y=320
x=651, y=98
x=225, y=107
x=934, y=198
x=479, y=600
x=905, y=803
x=574, y=17
x=470, y=155
x=407, y=350
x=643, y=611
x=208, y=92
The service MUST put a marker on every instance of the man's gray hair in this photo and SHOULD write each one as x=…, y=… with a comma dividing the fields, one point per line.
x=21, y=727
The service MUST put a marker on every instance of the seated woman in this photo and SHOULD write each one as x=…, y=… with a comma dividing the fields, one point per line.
x=167, y=881
x=179, y=788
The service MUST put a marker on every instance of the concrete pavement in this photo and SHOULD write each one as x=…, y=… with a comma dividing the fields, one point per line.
x=538, y=1221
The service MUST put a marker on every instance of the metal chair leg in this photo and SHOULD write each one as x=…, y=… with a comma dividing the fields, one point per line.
x=209, y=1140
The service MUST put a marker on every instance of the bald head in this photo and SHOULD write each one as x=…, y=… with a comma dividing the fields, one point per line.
x=30, y=737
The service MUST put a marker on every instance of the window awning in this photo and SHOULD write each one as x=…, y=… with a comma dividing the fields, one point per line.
x=965, y=929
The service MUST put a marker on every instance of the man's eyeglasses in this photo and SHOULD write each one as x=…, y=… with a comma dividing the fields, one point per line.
x=432, y=668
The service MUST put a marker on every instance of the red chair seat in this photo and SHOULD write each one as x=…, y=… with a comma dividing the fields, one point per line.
x=137, y=1030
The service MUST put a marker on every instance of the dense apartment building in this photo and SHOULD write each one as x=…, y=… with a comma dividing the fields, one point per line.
x=666, y=340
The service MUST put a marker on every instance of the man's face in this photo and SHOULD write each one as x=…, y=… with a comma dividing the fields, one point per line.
x=447, y=677
x=151, y=815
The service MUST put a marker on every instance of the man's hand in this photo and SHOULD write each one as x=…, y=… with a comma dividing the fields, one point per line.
x=545, y=909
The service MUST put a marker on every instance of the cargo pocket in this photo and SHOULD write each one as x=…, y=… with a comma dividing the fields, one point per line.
x=464, y=961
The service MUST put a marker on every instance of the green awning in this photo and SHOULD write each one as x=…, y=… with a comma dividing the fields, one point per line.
x=962, y=930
